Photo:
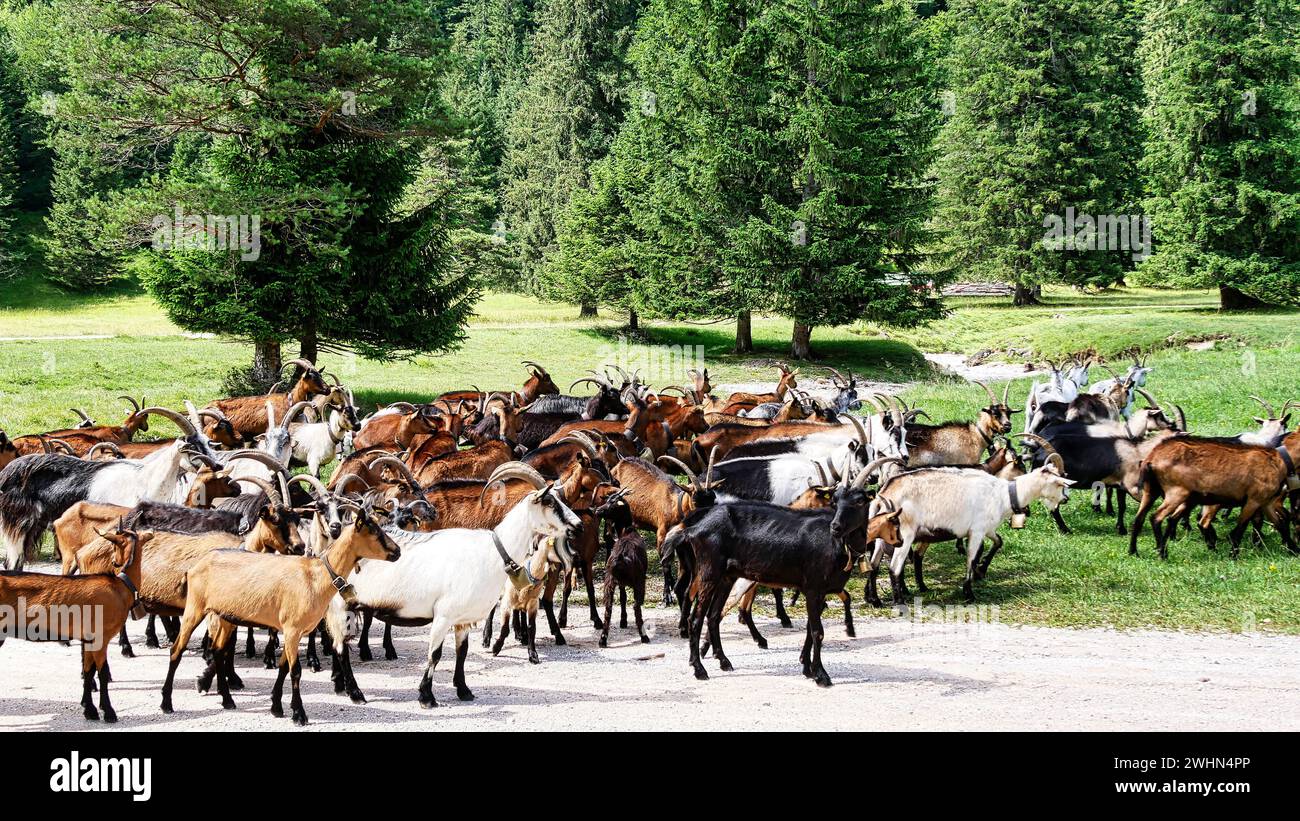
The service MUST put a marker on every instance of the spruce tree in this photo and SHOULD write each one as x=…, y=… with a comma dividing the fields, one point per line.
x=1223, y=156
x=565, y=117
x=10, y=254
x=1042, y=100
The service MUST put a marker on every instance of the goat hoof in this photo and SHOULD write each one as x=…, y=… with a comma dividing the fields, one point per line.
x=622, y=624
x=277, y=710
x=110, y=715
x=604, y=642
x=762, y=643
x=203, y=683
x=152, y=642
x=724, y=664
x=464, y=694
x=167, y=706
x=269, y=664
x=562, y=621
x=364, y=653
x=91, y=714
x=823, y=680
x=357, y=697
x=227, y=704
x=645, y=639
x=1121, y=530
x=299, y=718
x=390, y=655
x=428, y=702
x=559, y=640
x=127, y=652
x=701, y=674
x=533, y=658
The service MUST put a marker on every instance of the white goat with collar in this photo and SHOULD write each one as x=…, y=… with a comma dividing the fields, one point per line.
x=451, y=579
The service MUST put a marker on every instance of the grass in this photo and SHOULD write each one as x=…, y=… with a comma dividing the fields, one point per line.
x=1039, y=578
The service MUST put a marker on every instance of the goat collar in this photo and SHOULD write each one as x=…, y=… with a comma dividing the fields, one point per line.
x=519, y=574
x=345, y=590
x=1292, y=481
x=137, y=606
x=1016, y=507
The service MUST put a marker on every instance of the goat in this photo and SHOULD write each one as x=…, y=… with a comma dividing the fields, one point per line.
x=961, y=443
x=941, y=504
x=88, y=609
x=538, y=384
x=626, y=565
x=606, y=402
x=247, y=415
x=81, y=438
x=8, y=452
x=36, y=489
x=811, y=550
x=474, y=463
x=289, y=594
x=521, y=602
x=317, y=443
x=739, y=400
x=450, y=579
x=1190, y=470
x=397, y=425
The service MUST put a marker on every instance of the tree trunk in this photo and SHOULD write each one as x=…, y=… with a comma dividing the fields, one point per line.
x=1027, y=295
x=744, y=332
x=801, y=342
x=1230, y=299
x=588, y=310
x=266, y=362
x=308, y=345
x=633, y=321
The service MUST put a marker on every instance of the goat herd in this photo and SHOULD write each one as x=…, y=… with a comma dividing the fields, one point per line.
x=443, y=513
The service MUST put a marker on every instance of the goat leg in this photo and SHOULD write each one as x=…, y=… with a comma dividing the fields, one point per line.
x=270, y=652
x=487, y=628
x=715, y=625
x=105, y=706
x=151, y=632
x=548, y=604
x=670, y=581
x=277, y=692
x=363, y=643
x=748, y=619
x=458, y=677
x=1061, y=526
x=506, y=619
x=638, y=598
x=608, y=601
x=349, y=679
x=779, y=595
x=533, y=658
x=250, y=646
x=622, y=608
x=816, y=604
x=124, y=642
x=563, y=620
x=848, y=608
x=295, y=703
x=87, y=681
x=390, y=651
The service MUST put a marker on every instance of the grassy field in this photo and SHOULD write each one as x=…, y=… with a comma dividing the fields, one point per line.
x=1039, y=578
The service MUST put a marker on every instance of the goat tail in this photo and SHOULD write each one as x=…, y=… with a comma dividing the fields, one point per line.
x=21, y=522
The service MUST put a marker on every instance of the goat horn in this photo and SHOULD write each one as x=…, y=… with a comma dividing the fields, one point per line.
x=1182, y=418
x=1151, y=400
x=864, y=438
x=135, y=406
x=821, y=473
x=259, y=456
x=875, y=403
x=1046, y=447
x=583, y=442
x=337, y=382
x=1290, y=403
x=685, y=467
x=318, y=490
x=273, y=387
x=181, y=422
x=865, y=476
x=708, y=468
x=993, y=399
x=350, y=478
x=539, y=368
x=84, y=418
x=592, y=380
x=213, y=413
x=90, y=454
x=404, y=407
x=513, y=470
x=266, y=487
x=1272, y=414
x=302, y=363
x=842, y=381
x=915, y=413
x=293, y=411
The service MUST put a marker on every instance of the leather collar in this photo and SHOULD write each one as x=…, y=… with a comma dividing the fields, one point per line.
x=1016, y=507
x=345, y=590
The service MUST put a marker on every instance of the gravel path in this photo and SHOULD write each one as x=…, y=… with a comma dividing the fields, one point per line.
x=896, y=674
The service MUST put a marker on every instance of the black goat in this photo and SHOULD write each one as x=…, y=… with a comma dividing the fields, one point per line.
x=626, y=566
x=811, y=550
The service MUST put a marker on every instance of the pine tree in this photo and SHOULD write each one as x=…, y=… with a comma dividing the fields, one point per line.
x=566, y=116
x=10, y=254
x=1042, y=101
x=1223, y=157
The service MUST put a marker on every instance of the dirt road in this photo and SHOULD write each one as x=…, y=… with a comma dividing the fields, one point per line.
x=897, y=674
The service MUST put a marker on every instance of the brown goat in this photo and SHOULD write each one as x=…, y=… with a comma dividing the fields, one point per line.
x=399, y=428
x=1189, y=470
x=289, y=594
x=82, y=439
x=539, y=382
x=111, y=597
x=474, y=463
x=8, y=452
x=744, y=401
x=247, y=414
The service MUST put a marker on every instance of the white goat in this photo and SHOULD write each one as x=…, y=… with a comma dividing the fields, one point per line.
x=450, y=579
x=315, y=444
x=940, y=504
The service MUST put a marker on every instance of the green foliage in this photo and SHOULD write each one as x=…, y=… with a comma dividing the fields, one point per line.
x=1042, y=99
x=309, y=122
x=1223, y=156
x=10, y=256
x=565, y=118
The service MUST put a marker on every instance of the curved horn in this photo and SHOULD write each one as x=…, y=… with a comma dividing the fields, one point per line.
x=864, y=438
x=588, y=446
x=513, y=470
x=842, y=381
x=212, y=413
x=590, y=379
x=1151, y=400
x=708, y=468
x=117, y=452
x=261, y=456
x=404, y=407
x=266, y=487
x=318, y=490
x=302, y=363
x=532, y=364
x=181, y=422
x=1053, y=457
x=135, y=406
x=58, y=444
x=1181, y=417
x=685, y=468
x=273, y=387
x=401, y=467
x=86, y=420
x=993, y=399
x=1290, y=403
x=349, y=479
x=1272, y=414
x=821, y=473
x=1006, y=395
x=293, y=411
x=914, y=413
x=865, y=476
x=875, y=403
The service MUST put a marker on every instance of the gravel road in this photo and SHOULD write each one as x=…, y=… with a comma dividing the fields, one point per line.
x=898, y=674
